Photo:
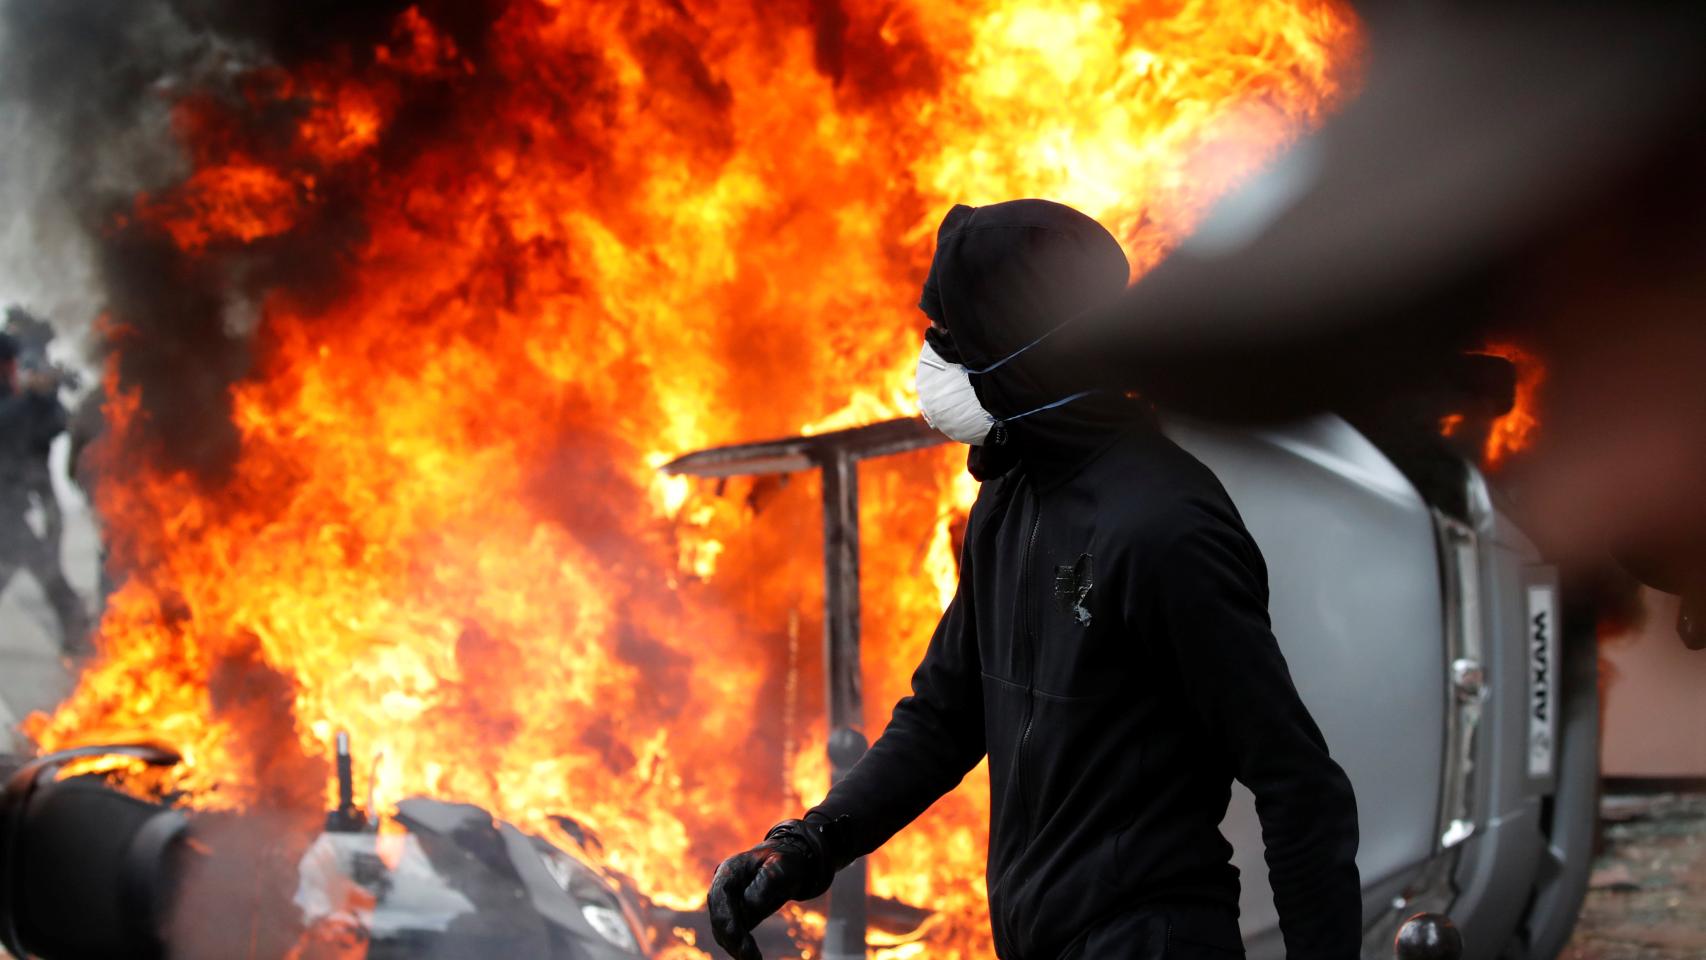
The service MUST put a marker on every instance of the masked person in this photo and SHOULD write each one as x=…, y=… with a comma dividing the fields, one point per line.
x=30, y=417
x=1108, y=648
x=46, y=418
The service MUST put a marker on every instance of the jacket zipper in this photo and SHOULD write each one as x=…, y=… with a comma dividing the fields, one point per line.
x=1030, y=692
x=1030, y=667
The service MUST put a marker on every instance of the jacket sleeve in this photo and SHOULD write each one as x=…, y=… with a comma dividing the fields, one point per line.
x=16, y=410
x=1212, y=605
x=933, y=739
x=50, y=420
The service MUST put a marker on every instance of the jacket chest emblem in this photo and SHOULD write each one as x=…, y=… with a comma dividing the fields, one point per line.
x=1072, y=584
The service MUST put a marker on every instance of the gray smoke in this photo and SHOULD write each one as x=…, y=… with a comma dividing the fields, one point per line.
x=60, y=96
x=87, y=94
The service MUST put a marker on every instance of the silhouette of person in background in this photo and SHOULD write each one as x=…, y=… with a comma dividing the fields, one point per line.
x=31, y=416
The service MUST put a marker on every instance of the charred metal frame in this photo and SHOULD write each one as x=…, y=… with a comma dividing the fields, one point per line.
x=836, y=455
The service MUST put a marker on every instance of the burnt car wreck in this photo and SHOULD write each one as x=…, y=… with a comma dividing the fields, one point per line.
x=92, y=872
x=88, y=871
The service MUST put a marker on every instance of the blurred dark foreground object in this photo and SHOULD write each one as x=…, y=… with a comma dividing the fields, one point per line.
x=1517, y=172
x=1410, y=225
x=85, y=870
x=1428, y=936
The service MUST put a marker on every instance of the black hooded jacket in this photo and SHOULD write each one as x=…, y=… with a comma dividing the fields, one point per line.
x=1108, y=648
x=28, y=423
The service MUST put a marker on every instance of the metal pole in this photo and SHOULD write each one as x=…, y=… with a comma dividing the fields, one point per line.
x=836, y=455
x=844, y=933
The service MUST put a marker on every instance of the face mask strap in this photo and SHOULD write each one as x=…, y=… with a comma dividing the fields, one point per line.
x=1014, y=355
x=1063, y=401
x=1011, y=356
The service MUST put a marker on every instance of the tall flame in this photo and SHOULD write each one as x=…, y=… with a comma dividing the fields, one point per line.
x=629, y=231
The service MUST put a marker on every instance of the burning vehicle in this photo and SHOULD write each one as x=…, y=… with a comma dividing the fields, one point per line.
x=447, y=886
x=88, y=871
x=91, y=872
x=454, y=882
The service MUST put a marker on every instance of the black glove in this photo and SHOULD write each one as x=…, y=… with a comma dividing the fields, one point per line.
x=791, y=864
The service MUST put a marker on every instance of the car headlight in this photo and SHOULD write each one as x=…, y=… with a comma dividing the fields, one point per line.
x=611, y=925
x=596, y=901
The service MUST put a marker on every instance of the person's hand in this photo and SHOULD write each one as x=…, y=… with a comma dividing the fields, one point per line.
x=789, y=865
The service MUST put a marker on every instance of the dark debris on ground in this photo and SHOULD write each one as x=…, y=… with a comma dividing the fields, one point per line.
x=1647, y=898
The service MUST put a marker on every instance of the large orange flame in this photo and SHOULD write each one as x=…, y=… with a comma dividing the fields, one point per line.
x=639, y=229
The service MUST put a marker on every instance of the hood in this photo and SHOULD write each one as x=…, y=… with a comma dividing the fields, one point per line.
x=1002, y=277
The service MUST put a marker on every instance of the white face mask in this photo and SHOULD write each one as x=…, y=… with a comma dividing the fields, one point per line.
x=946, y=397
